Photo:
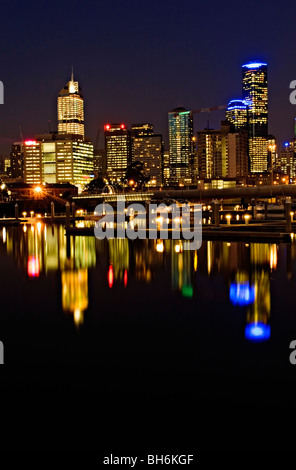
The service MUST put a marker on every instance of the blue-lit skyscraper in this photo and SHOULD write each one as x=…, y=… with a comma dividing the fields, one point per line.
x=237, y=114
x=254, y=77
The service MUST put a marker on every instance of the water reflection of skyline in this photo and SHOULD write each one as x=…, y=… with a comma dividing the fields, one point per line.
x=246, y=269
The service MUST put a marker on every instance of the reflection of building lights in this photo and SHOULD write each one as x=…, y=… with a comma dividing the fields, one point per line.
x=110, y=276
x=160, y=247
x=242, y=294
x=159, y=220
x=4, y=234
x=78, y=317
x=39, y=227
x=187, y=291
x=273, y=257
x=178, y=248
x=195, y=261
x=33, y=267
x=257, y=332
x=25, y=228
x=125, y=278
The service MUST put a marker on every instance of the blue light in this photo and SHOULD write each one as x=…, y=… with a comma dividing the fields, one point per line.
x=255, y=65
x=257, y=332
x=241, y=294
x=286, y=144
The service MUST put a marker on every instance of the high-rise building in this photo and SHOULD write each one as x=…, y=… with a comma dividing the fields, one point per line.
x=118, y=150
x=16, y=160
x=237, y=143
x=58, y=158
x=212, y=152
x=181, y=145
x=254, y=80
x=32, y=162
x=147, y=148
x=71, y=109
x=237, y=114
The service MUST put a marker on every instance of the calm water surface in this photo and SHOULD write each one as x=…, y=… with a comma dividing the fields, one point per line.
x=146, y=327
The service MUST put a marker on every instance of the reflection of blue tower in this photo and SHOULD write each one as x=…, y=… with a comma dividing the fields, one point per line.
x=241, y=293
x=257, y=332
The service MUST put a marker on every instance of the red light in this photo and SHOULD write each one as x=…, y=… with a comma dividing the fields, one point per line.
x=122, y=126
x=107, y=127
x=125, y=278
x=30, y=142
x=33, y=267
x=110, y=276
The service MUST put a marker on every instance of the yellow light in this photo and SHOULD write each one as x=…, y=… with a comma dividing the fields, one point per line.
x=228, y=244
x=31, y=213
x=25, y=228
x=228, y=217
x=131, y=182
x=159, y=220
x=160, y=247
x=178, y=248
x=2, y=186
x=38, y=189
x=24, y=214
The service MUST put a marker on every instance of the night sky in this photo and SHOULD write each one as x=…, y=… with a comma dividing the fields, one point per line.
x=135, y=61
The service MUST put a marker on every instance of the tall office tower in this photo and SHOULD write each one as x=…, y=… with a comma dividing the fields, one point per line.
x=237, y=114
x=238, y=154
x=212, y=152
x=254, y=77
x=180, y=137
x=147, y=148
x=71, y=109
x=32, y=162
x=118, y=150
x=16, y=160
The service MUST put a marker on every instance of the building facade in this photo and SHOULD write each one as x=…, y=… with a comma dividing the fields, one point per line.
x=58, y=158
x=181, y=144
x=147, y=148
x=255, y=93
x=71, y=109
x=118, y=150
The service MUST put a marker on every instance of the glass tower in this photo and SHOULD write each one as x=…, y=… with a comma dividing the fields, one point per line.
x=181, y=143
x=71, y=109
x=254, y=77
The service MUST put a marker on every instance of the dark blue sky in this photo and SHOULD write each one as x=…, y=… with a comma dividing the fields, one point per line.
x=136, y=60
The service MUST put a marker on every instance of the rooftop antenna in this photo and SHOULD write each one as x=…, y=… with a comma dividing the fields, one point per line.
x=72, y=75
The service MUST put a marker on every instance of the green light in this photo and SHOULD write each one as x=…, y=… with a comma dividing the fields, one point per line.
x=187, y=291
x=184, y=112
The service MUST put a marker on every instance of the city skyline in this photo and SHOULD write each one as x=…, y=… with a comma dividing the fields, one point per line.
x=140, y=71
x=210, y=118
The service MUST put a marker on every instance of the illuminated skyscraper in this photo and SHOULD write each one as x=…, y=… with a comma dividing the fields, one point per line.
x=181, y=144
x=58, y=158
x=237, y=114
x=118, y=150
x=255, y=93
x=71, y=109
